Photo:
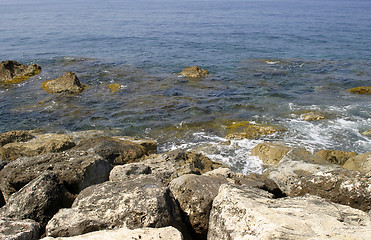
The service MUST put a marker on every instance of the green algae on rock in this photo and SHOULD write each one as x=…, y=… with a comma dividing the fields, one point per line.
x=245, y=129
x=12, y=72
x=69, y=83
x=360, y=90
x=194, y=72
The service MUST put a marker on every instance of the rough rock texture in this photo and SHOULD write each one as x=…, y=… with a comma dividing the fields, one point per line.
x=11, y=229
x=165, y=233
x=114, y=150
x=296, y=178
x=132, y=204
x=247, y=213
x=194, y=71
x=367, y=133
x=361, y=162
x=149, y=145
x=15, y=136
x=14, y=72
x=241, y=130
x=335, y=156
x=313, y=116
x=195, y=194
x=39, y=200
x=361, y=90
x=36, y=146
x=114, y=87
x=270, y=153
x=76, y=170
x=165, y=167
x=68, y=83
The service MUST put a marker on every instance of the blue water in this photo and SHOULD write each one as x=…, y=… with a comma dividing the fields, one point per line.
x=268, y=60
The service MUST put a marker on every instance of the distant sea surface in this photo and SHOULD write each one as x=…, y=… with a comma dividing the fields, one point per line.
x=270, y=61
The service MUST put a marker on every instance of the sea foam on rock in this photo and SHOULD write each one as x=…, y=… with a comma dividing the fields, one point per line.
x=14, y=72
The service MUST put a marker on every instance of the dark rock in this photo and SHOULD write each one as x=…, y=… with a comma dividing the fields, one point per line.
x=11, y=229
x=132, y=204
x=77, y=170
x=14, y=72
x=114, y=150
x=39, y=200
x=68, y=83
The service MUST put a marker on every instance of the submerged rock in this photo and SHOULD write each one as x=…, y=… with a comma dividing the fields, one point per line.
x=241, y=130
x=39, y=200
x=194, y=72
x=248, y=213
x=26, y=229
x=335, y=156
x=68, y=83
x=165, y=233
x=14, y=72
x=313, y=116
x=77, y=170
x=361, y=90
x=132, y=204
x=361, y=162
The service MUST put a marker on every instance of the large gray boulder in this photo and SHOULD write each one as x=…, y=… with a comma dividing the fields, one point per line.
x=166, y=167
x=39, y=200
x=165, y=233
x=76, y=170
x=68, y=83
x=14, y=72
x=250, y=213
x=132, y=204
x=11, y=229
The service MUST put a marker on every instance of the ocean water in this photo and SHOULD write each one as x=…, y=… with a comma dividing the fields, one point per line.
x=270, y=61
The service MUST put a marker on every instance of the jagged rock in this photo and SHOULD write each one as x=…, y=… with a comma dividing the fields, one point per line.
x=313, y=116
x=114, y=87
x=132, y=204
x=361, y=162
x=68, y=83
x=165, y=233
x=14, y=72
x=149, y=145
x=38, y=145
x=15, y=136
x=114, y=150
x=194, y=72
x=248, y=213
x=195, y=194
x=335, y=156
x=77, y=170
x=241, y=130
x=11, y=229
x=296, y=177
x=361, y=90
x=165, y=167
x=270, y=153
x=39, y=200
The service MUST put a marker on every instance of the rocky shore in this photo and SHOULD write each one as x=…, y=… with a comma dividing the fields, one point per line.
x=87, y=185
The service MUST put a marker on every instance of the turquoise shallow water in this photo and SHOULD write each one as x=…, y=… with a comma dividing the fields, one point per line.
x=269, y=62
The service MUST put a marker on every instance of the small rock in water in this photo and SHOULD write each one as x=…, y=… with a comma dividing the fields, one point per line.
x=313, y=116
x=14, y=72
x=361, y=90
x=114, y=87
x=241, y=130
x=367, y=133
x=194, y=71
x=69, y=83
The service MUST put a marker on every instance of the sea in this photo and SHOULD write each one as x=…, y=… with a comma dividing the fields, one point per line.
x=270, y=61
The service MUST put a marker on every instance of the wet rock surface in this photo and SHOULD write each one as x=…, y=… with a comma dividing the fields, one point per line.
x=194, y=72
x=68, y=83
x=14, y=72
x=335, y=156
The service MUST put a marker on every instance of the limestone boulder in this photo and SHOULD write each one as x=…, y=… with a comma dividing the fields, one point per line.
x=16, y=136
x=149, y=145
x=68, y=83
x=270, y=153
x=165, y=167
x=132, y=204
x=75, y=169
x=40, y=144
x=360, y=90
x=313, y=116
x=249, y=213
x=194, y=72
x=165, y=233
x=335, y=156
x=114, y=150
x=361, y=162
x=14, y=72
x=11, y=229
x=39, y=200
x=242, y=130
